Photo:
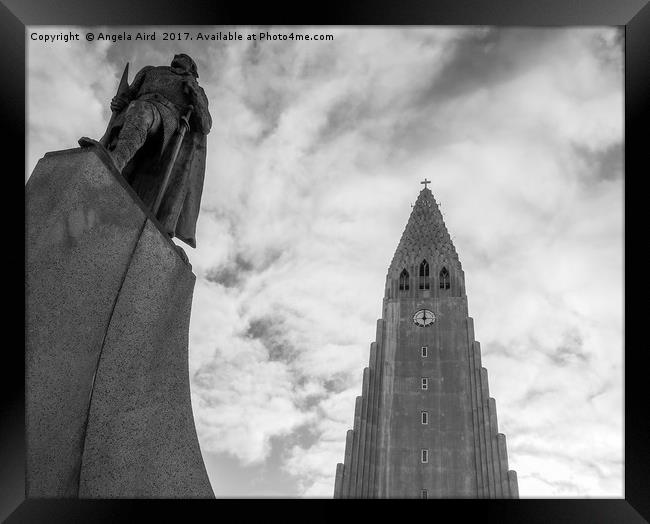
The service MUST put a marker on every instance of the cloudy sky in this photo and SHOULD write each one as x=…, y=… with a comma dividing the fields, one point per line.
x=315, y=155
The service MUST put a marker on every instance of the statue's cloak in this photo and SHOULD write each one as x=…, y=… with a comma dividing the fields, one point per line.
x=180, y=205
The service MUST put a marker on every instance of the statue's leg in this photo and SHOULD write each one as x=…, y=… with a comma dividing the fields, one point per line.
x=141, y=119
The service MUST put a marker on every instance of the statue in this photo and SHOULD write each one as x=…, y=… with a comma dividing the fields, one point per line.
x=156, y=139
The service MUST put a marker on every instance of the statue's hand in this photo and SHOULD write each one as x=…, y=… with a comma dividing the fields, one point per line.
x=118, y=103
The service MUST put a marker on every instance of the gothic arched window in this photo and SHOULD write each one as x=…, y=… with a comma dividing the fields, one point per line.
x=404, y=280
x=424, y=275
x=444, y=278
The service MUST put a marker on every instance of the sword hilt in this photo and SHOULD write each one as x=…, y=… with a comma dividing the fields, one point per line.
x=185, y=119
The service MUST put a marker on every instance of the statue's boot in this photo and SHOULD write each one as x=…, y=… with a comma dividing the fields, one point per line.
x=85, y=141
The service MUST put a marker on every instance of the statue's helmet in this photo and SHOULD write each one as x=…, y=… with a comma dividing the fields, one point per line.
x=192, y=63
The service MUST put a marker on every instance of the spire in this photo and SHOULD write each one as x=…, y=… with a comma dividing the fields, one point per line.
x=425, y=235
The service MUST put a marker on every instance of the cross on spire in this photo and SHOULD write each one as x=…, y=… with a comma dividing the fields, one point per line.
x=425, y=182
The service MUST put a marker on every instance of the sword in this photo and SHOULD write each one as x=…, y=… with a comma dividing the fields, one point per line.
x=121, y=89
x=185, y=126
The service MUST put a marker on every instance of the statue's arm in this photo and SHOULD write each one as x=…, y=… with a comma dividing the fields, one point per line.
x=119, y=102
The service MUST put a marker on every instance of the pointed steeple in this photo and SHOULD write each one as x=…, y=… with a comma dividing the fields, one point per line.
x=425, y=235
x=425, y=425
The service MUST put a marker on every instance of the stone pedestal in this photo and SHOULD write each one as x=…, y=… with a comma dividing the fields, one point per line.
x=108, y=300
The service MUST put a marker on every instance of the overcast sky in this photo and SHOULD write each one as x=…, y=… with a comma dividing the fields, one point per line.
x=315, y=155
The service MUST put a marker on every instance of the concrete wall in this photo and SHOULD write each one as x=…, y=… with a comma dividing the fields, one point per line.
x=467, y=455
x=448, y=435
x=108, y=298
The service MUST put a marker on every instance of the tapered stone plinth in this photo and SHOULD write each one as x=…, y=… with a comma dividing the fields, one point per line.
x=108, y=300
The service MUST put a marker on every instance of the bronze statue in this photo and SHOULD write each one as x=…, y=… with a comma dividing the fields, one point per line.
x=157, y=140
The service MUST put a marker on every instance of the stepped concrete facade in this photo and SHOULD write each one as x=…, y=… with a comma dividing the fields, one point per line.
x=108, y=301
x=425, y=425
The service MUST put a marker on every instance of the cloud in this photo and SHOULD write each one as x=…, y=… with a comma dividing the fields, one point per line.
x=65, y=95
x=315, y=154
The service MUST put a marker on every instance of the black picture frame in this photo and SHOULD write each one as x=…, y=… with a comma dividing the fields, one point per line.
x=634, y=15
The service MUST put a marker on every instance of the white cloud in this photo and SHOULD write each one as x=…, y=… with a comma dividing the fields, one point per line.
x=68, y=90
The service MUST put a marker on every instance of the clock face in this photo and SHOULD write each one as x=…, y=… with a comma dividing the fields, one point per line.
x=424, y=318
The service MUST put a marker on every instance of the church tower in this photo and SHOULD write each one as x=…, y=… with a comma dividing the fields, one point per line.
x=425, y=425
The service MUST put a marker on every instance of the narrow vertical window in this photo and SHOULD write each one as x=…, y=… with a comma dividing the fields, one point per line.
x=425, y=456
x=424, y=275
x=425, y=351
x=425, y=383
x=424, y=494
x=425, y=417
x=444, y=278
x=404, y=280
